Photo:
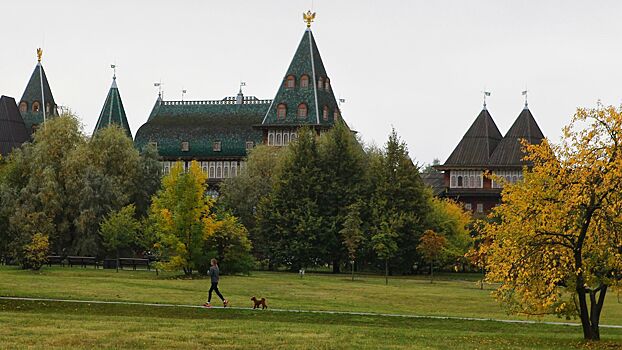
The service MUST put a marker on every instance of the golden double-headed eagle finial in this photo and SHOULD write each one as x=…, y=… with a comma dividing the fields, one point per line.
x=39, y=54
x=308, y=17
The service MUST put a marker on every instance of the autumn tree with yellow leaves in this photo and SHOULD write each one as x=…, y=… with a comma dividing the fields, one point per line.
x=556, y=242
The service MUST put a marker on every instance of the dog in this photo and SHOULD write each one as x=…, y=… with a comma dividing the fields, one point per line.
x=259, y=302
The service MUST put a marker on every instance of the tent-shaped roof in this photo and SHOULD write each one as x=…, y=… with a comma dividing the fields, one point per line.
x=33, y=93
x=13, y=132
x=477, y=145
x=113, y=111
x=509, y=151
x=317, y=95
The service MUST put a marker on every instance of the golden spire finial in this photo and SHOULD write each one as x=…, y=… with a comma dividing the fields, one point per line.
x=39, y=54
x=308, y=17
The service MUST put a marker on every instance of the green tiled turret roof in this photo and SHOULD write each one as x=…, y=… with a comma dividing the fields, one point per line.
x=33, y=94
x=306, y=62
x=201, y=123
x=113, y=111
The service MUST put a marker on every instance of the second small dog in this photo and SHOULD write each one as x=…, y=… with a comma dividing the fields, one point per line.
x=259, y=302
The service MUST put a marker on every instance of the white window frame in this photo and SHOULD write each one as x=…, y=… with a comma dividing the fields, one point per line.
x=217, y=146
x=470, y=178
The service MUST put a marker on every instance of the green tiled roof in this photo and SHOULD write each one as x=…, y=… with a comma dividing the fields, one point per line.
x=306, y=61
x=113, y=111
x=33, y=93
x=201, y=123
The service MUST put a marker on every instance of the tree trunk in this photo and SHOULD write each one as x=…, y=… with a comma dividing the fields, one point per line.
x=386, y=271
x=117, y=262
x=353, y=270
x=431, y=272
x=336, y=266
x=590, y=319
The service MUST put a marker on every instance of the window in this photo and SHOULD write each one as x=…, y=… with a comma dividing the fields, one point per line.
x=293, y=136
x=35, y=106
x=234, y=169
x=327, y=84
x=250, y=145
x=166, y=168
x=281, y=111
x=270, y=138
x=501, y=177
x=304, y=81
x=278, y=139
x=218, y=170
x=225, y=170
x=336, y=115
x=154, y=145
x=205, y=167
x=285, y=138
x=325, y=113
x=47, y=108
x=302, y=110
x=480, y=207
x=467, y=206
x=320, y=83
x=185, y=146
x=23, y=107
x=290, y=82
x=466, y=179
x=212, y=170
x=216, y=146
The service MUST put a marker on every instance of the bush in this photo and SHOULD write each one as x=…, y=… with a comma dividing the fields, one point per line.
x=36, y=252
x=229, y=243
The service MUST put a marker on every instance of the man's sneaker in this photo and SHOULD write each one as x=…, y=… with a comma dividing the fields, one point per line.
x=225, y=303
x=207, y=305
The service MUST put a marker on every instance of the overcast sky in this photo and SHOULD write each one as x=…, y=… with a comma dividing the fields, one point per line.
x=419, y=66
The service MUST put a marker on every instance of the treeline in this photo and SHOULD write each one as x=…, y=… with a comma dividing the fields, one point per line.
x=330, y=201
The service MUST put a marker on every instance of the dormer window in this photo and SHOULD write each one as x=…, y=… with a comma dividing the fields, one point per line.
x=185, y=146
x=35, y=106
x=23, y=107
x=290, y=82
x=281, y=111
x=327, y=84
x=216, y=146
x=154, y=145
x=250, y=145
x=304, y=81
x=325, y=113
x=320, y=83
x=302, y=110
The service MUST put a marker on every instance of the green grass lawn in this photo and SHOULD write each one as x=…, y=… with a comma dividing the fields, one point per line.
x=70, y=325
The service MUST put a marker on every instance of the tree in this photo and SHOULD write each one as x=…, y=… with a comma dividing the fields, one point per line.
x=230, y=244
x=384, y=243
x=120, y=229
x=242, y=194
x=341, y=177
x=36, y=252
x=182, y=216
x=289, y=220
x=449, y=219
x=556, y=247
x=352, y=234
x=431, y=247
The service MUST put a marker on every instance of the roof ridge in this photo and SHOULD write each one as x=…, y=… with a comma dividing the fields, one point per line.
x=317, y=110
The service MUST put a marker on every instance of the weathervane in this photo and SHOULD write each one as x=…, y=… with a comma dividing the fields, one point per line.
x=308, y=17
x=39, y=54
x=525, y=94
x=114, y=71
x=486, y=93
x=159, y=86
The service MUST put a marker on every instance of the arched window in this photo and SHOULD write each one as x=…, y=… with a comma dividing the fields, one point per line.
x=302, y=110
x=285, y=138
x=293, y=136
x=336, y=115
x=271, y=139
x=459, y=181
x=290, y=82
x=47, y=107
x=35, y=106
x=327, y=84
x=304, y=81
x=23, y=107
x=320, y=83
x=281, y=111
x=278, y=139
x=325, y=113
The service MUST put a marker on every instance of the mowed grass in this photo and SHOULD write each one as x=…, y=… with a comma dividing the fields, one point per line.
x=70, y=325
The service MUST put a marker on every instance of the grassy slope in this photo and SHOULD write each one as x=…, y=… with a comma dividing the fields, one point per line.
x=67, y=325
